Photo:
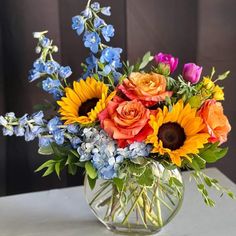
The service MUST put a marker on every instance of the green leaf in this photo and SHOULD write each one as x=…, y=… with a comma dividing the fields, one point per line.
x=146, y=179
x=176, y=182
x=231, y=195
x=90, y=170
x=146, y=59
x=75, y=153
x=200, y=187
x=223, y=76
x=135, y=169
x=92, y=182
x=208, y=181
x=119, y=183
x=49, y=170
x=58, y=169
x=72, y=169
x=45, y=165
x=46, y=150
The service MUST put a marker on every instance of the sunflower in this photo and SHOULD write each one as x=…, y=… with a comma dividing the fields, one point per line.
x=84, y=102
x=177, y=132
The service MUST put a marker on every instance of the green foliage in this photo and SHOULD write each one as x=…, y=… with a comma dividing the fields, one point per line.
x=203, y=182
x=119, y=183
x=63, y=156
x=92, y=182
x=90, y=170
x=212, y=153
x=147, y=178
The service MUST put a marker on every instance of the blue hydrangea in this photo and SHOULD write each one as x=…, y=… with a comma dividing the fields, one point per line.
x=65, y=72
x=75, y=142
x=106, y=11
x=92, y=41
x=51, y=67
x=108, y=32
x=78, y=24
x=95, y=6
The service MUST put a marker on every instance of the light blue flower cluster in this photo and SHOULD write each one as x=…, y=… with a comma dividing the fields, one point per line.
x=28, y=126
x=47, y=68
x=104, y=60
x=96, y=146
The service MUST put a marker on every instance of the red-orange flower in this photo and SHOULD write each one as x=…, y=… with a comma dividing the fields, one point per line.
x=147, y=88
x=126, y=121
x=216, y=123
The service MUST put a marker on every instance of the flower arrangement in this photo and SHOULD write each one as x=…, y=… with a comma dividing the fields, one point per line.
x=118, y=120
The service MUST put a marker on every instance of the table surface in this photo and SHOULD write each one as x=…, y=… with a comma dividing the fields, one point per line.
x=64, y=212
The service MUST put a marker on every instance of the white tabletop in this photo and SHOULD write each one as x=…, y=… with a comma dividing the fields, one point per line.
x=64, y=212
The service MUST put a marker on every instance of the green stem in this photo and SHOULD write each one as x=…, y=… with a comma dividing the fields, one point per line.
x=88, y=4
x=133, y=206
x=159, y=214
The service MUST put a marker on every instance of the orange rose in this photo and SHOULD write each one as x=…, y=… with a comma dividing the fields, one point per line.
x=125, y=121
x=147, y=88
x=216, y=123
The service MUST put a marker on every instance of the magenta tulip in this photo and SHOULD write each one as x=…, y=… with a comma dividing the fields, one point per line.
x=192, y=73
x=167, y=60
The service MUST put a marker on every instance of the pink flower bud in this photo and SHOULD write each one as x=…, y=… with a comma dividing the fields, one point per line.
x=192, y=73
x=167, y=59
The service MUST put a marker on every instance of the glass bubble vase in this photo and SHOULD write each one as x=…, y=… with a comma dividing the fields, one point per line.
x=134, y=208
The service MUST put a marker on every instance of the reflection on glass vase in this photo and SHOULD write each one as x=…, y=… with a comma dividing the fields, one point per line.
x=134, y=208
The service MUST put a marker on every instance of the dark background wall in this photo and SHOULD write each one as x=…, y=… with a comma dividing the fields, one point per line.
x=197, y=30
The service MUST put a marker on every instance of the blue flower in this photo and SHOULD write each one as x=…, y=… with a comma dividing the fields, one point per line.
x=87, y=13
x=98, y=22
x=19, y=131
x=65, y=72
x=116, y=76
x=23, y=120
x=45, y=42
x=75, y=141
x=59, y=137
x=108, y=32
x=106, y=11
x=8, y=131
x=51, y=67
x=53, y=87
x=111, y=55
x=95, y=6
x=53, y=124
x=29, y=136
x=78, y=24
x=38, y=118
x=73, y=129
x=34, y=75
x=44, y=141
x=39, y=65
x=36, y=130
x=91, y=41
x=107, y=69
x=3, y=121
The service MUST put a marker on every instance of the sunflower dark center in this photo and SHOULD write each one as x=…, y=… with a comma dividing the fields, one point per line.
x=172, y=135
x=87, y=106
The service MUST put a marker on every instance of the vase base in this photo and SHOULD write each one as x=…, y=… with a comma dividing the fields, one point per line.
x=132, y=229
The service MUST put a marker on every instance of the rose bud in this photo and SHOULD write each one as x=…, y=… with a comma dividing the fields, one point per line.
x=192, y=73
x=166, y=61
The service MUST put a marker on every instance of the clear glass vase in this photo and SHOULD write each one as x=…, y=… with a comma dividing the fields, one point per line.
x=137, y=209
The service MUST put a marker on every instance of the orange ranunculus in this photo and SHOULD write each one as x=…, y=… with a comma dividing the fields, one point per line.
x=216, y=123
x=126, y=121
x=147, y=88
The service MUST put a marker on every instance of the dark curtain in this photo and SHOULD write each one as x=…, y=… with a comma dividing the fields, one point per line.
x=197, y=30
